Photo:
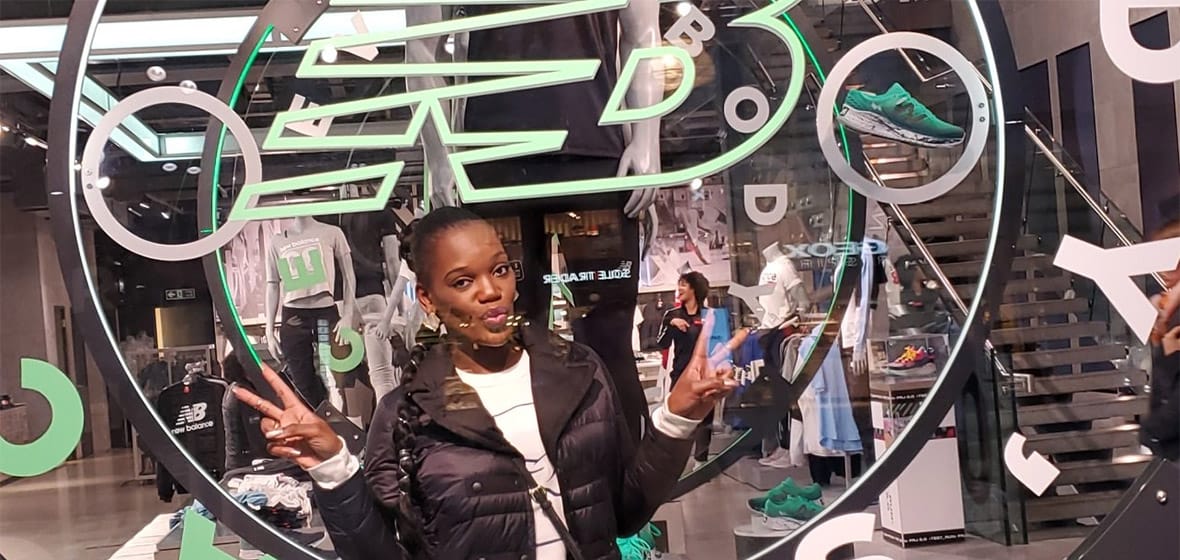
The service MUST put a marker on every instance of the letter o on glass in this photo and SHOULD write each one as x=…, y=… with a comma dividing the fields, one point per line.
x=761, y=109
x=92, y=155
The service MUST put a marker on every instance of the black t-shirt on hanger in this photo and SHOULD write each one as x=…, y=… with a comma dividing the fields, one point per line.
x=575, y=107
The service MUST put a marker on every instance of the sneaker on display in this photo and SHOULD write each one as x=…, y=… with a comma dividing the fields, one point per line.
x=896, y=115
x=779, y=453
x=783, y=462
x=640, y=546
x=794, y=507
x=785, y=489
x=914, y=360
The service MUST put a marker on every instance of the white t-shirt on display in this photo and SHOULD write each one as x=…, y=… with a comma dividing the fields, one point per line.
x=308, y=260
x=779, y=273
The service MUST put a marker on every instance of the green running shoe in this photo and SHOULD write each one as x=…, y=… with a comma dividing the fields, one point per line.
x=793, y=507
x=896, y=115
x=784, y=490
x=640, y=546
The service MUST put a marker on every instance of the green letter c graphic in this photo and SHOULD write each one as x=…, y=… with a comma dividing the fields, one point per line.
x=65, y=424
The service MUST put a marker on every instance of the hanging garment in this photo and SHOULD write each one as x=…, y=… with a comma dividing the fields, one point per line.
x=833, y=409
x=194, y=415
x=854, y=328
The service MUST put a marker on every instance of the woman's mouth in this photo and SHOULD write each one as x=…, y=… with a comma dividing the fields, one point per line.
x=496, y=318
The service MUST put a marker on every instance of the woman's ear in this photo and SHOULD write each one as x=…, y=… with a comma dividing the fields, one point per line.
x=424, y=299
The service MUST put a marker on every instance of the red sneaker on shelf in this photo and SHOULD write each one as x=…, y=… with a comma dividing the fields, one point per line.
x=914, y=360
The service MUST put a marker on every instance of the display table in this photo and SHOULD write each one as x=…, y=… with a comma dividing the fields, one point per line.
x=143, y=545
x=925, y=504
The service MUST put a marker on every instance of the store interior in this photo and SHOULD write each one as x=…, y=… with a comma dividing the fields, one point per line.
x=842, y=317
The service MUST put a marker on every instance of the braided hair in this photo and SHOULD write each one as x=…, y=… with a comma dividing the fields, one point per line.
x=417, y=241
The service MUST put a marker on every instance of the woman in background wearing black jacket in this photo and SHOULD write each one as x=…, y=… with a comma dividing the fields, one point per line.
x=243, y=439
x=1161, y=428
x=502, y=442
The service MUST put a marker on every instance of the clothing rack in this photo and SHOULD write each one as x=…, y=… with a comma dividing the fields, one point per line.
x=204, y=356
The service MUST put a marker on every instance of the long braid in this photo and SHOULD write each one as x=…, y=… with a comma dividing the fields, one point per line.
x=410, y=522
x=416, y=251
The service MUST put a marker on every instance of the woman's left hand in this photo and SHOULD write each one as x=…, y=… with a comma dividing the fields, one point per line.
x=702, y=384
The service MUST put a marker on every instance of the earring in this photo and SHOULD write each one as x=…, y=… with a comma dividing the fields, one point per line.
x=464, y=325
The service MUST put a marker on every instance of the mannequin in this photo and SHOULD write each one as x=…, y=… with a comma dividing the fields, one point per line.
x=374, y=242
x=590, y=151
x=789, y=295
x=303, y=263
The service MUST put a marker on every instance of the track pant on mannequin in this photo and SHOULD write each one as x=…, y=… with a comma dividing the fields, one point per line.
x=611, y=304
x=378, y=351
x=298, y=337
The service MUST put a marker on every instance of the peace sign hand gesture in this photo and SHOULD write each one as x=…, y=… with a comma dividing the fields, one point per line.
x=293, y=430
x=704, y=382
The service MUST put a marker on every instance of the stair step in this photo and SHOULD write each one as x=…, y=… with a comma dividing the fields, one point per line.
x=975, y=268
x=976, y=247
x=888, y=166
x=1125, y=435
x=1073, y=531
x=1043, y=333
x=1081, y=410
x=877, y=148
x=1014, y=311
x=1127, y=467
x=1053, y=508
x=1021, y=286
x=1092, y=381
x=1042, y=359
x=970, y=228
x=973, y=206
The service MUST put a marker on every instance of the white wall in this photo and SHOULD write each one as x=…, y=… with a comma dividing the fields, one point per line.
x=1043, y=29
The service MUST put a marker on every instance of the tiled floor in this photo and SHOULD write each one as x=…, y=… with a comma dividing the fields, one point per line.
x=84, y=511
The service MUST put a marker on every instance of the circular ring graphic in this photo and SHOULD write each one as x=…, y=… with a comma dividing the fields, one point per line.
x=92, y=156
x=977, y=137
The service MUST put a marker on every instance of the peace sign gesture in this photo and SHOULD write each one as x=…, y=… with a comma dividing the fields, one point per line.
x=704, y=382
x=293, y=430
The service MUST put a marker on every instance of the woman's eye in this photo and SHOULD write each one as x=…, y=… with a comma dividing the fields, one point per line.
x=461, y=283
x=501, y=270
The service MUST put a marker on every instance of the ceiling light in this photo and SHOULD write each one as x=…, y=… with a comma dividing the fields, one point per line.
x=166, y=215
x=683, y=8
x=329, y=54
x=696, y=184
x=169, y=166
x=144, y=205
x=33, y=141
x=193, y=169
x=102, y=183
x=157, y=74
x=56, y=193
x=5, y=128
x=449, y=46
x=134, y=211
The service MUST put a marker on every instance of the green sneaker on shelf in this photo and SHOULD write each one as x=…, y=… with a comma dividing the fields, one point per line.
x=896, y=115
x=794, y=507
x=640, y=546
x=784, y=490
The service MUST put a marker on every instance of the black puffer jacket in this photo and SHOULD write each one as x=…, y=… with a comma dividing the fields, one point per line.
x=472, y=495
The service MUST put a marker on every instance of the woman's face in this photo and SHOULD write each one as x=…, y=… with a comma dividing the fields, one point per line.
x=470, y=284
x=684, y=293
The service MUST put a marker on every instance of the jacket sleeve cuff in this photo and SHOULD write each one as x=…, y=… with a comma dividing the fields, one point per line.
x=335, y=471
x=673, y=425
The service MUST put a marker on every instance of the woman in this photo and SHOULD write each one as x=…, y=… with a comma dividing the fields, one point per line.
x=461, y=461
x=682, y=326
x=243, y=440
x=1161, y=428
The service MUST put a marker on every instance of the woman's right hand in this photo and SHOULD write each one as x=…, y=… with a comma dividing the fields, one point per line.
x=680, y=324
x=293, y=431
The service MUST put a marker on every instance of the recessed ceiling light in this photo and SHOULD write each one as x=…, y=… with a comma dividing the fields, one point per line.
x=329, y=54
x=169, y=166
x=683, y=8
x=696, y=184
x=144, y=205
x=193, y=169
x=5, y=128
x=166, y=215
x=103, y=182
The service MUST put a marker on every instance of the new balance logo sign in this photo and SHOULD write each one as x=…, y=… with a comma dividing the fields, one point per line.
x=190, y=417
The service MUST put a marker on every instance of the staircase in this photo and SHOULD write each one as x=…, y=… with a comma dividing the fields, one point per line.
x=1081, y=406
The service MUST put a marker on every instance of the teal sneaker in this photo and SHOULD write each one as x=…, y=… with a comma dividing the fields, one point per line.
x=896, y=115
x=640, y=546
x=784, y=490
x=793, y=507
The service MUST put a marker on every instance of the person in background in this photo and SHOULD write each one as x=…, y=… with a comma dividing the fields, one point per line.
x=680, y=330
x=244, y=441
x=503, y=441
x=1161, y=428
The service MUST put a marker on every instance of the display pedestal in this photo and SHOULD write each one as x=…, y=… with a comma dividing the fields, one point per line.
x=925, y=504
x=750, y=539
x=759, y=476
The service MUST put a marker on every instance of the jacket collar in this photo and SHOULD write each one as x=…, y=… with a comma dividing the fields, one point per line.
x=561, y=376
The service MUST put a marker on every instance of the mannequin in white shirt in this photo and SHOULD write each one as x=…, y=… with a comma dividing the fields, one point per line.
x=788, y=295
